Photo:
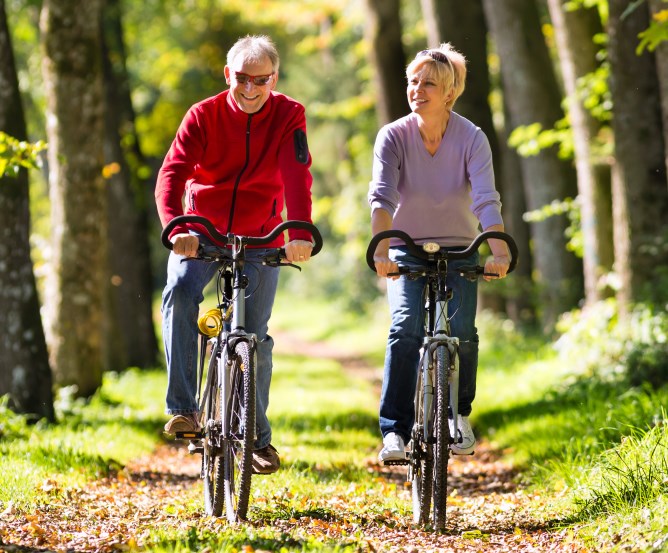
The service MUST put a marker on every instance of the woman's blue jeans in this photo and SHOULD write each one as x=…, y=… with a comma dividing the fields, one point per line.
x=406, y=299
x=180, y=308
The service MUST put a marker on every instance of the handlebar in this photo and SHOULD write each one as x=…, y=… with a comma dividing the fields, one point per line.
x=417, y=251
x=246, y=240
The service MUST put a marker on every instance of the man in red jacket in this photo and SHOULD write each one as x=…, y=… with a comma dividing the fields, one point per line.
x=237, y=159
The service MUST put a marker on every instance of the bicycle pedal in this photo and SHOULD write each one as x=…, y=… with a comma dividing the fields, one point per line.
x=195, y=447
x=395, y=462
x=188, y=435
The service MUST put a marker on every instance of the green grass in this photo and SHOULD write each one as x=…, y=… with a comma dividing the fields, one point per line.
x=92, y=438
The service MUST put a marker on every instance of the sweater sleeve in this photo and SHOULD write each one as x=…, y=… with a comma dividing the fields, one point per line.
x=178, y=166
x=383, y=188
x=294, y=163
x=486, y=203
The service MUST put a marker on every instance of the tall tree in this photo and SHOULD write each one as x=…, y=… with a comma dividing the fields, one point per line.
x=640, y=194
x=532, y=95
x=574, y=31
x=388, y=58
x=71, y=66
x=661, y=51
x=25, y=373
x=131, y=340
x=464, y=25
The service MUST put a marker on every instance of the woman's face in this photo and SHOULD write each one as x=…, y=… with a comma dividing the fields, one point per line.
x=425, y=93
x=251, y=83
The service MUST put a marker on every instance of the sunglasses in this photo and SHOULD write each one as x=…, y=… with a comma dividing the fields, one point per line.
x=257, y=80
x=435, y=55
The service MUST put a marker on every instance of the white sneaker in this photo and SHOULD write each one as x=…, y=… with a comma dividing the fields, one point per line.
x=394, y=448
x=465, y=433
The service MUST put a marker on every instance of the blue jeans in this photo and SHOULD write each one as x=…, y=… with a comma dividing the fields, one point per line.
x=406, y=299
x=180, y=308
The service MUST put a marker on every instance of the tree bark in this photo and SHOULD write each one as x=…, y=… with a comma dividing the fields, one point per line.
x=640, y=194
x=25, y=374
x=70, y=35
x=574, y=32
x=661, y=53
x=532, y=94
x=131, y=338
x=388, y=59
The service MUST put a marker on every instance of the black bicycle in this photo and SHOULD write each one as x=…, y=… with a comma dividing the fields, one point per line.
x=436, y=393
x=227, y=402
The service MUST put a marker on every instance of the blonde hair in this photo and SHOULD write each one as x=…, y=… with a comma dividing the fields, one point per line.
x=446, y=65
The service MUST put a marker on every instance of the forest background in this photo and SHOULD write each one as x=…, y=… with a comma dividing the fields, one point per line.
x=573, y=96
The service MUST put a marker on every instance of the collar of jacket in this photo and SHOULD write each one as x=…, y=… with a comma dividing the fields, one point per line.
x=242, y=116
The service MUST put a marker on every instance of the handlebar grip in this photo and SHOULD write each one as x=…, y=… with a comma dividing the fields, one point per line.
x=182, y=219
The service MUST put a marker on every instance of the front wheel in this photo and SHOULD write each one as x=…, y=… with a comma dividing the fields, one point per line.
x=240, y=433
x=212, y=463
x=441, y=434
x=420, y=456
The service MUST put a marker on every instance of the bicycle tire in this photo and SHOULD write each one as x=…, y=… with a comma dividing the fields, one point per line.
x=212, y=465
x=421, y=456
x=238, y=443
x=441, y=434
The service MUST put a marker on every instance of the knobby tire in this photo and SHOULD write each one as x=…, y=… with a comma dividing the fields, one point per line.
x=238, y=445
x=441, y=434
x=421, y=460
x=212, y=462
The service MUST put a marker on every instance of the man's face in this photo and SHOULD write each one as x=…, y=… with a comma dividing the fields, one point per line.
x=250, y=83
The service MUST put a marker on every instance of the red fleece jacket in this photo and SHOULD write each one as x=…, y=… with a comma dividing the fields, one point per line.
x=238, y=169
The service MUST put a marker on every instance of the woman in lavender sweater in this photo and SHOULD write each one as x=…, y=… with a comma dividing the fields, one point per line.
x=432, y=178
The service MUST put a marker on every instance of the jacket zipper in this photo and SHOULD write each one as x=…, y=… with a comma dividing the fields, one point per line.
x=236, y=183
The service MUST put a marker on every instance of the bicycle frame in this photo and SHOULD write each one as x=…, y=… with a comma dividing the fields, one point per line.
x=437, y=333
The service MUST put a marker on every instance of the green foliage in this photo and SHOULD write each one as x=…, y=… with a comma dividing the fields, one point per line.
x=569, y=207
x=16, y=154
x=655, y=34
x=530, y=140
x=632, y=351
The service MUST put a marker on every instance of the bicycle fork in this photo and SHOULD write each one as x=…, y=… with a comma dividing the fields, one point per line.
x=440, y=338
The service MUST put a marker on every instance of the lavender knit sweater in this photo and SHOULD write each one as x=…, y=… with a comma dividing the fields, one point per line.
x=442, y=198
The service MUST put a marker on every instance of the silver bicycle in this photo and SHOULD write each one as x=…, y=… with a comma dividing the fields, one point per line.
x=227, y=402
x=436, y=393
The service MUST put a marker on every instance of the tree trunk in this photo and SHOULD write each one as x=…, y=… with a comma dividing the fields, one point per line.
x=70, y=35
x=661, y=53
x=131, y=339
x=25, y=374
x=641, y=193
x=388, y=59
x=463, y=24
x=574, y=32
x=532, y=95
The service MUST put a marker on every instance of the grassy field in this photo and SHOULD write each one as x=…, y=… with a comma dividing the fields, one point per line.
x=593, y=450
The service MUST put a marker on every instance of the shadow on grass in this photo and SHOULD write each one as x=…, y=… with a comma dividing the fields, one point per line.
x=336, y=421
x=586, y=414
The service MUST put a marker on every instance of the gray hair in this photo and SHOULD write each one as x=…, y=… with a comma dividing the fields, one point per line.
x=254, y=48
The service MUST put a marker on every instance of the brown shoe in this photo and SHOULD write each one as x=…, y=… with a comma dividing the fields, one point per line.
x=182, y=424
x=265, y=460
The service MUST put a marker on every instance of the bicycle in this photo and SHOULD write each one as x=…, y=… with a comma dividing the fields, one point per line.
x=227, y=402
x=436, y=393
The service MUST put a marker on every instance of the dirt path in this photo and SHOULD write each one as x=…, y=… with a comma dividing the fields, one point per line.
x=487, y=512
